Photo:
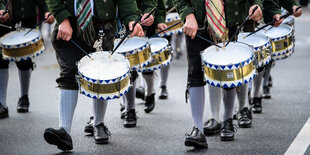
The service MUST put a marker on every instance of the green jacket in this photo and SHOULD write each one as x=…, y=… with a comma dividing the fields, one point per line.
x=25, y=8
x=271, y=7
x=105, y=9
x=287, y=4
x=160, y=13
x=235, y=15
x=146, y=6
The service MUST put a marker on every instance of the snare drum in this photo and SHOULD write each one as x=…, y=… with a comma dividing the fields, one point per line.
x=229, y=67
x=261, y=45
x=161, y=56
x=17, y=47
x=137, y=50
x=282, y=41
x=103, y=77
x=289, y=21
x=171, y=19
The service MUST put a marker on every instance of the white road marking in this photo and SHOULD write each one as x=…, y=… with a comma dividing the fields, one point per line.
x=301, y=142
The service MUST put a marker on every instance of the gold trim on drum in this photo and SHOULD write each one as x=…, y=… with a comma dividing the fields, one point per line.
x=282, y=44
x=19, y=52
x=159, y=58
x=104, y=88
x=180, y=25
x=139, y=57
x=229, y=75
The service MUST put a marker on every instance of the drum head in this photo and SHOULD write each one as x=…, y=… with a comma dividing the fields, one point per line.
x=234, y=53
x=157, y=44
x=172, y=16
x=255, y=40
x=103, y=67
x=276, y=32
x=17, y=37
x=130, y=44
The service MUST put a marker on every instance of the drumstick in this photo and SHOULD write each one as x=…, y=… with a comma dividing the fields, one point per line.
x=6, y=26
x=81, y=49
x=40, y=22
x=199, y=36
x=285, y=16
x=237, y=31
x=170, y=10
x=166, y=29
x=270, y=23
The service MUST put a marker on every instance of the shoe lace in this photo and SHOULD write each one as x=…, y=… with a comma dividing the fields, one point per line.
x=24, y=100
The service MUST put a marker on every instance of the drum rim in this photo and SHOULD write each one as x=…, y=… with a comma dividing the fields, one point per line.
x=162, y=49
x=23, y=44
x=256, y=48
x=177, y=17
x=134, y=51
x=290, y=33
x=101, y=81
x=237, y=65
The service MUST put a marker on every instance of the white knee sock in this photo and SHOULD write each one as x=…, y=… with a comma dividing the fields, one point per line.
x=68, y=100
x=257, y=84
x=130, y=97
x=149, y=79
x=243, y=97
x=196, y=100
x=229, y=96
x=99, y=109
x=215, y=97
x=266, y=76
x=24, y=78
x=4, y=77
x=164, y=72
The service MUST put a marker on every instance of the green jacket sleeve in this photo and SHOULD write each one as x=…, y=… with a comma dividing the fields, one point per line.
x=2, y=5
x=160, y=13
x=184, y=8
x=288, y=4
x=58, y=9
x=271, y=7
x=42, y=7
x=258, y=2
x=128, y=10
x=148, y=5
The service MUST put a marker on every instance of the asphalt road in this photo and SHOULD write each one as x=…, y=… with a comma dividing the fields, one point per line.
x=162, y=131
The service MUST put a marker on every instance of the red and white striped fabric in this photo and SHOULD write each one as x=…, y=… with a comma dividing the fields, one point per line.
x=216, y=16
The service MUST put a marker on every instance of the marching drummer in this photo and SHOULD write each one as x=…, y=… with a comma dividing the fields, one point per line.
x=18, y=12
x=290, y=6
x=82, y=25
x=219, y=20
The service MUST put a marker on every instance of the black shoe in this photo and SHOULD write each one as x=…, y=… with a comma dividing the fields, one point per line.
x=235, y=117
x=101, y=134
x=4, y=111
x=89, y=126
x=123, y=111
x=149, y=103
x=23, y=104
x=59, y=137
x=257, y=105
x=227, y=132
x=140, y=93
x=196, y=139
x=212, y=126
x=163, y=92
x=269, y=81
x=130, y=119
x=245, y=118
x=266, y=92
